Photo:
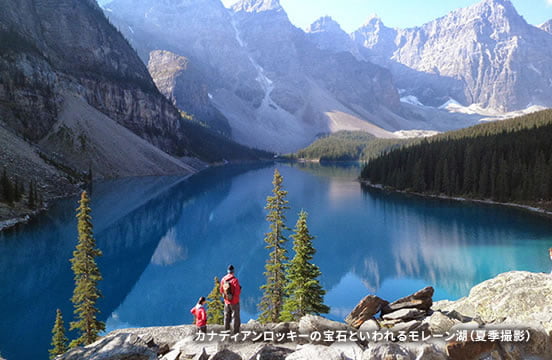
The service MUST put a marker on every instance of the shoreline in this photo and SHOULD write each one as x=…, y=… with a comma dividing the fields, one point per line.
x=529, y=208
x=10, y=223
x=23, y=218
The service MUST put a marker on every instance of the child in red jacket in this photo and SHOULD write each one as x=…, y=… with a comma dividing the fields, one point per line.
x=200, y=315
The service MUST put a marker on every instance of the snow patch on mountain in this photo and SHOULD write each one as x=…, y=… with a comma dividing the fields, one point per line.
x=408, y=134
x=412, y=100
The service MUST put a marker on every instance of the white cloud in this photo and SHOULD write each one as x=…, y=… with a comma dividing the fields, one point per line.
x=549, y=2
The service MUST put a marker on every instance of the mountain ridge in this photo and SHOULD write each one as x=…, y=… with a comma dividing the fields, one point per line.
x=277, y=90
x=462, y=55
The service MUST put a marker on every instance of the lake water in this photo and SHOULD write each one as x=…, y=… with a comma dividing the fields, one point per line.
x=165, y=238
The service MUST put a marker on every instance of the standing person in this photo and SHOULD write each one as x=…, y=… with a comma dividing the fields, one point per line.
x=230, y=289
x=200, y=315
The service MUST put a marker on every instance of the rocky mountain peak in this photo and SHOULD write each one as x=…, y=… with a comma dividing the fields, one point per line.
x=256, y=6
x=373, y=24
x=547, y=26
x=325, y=24
x=373, y=20
x=495, y=11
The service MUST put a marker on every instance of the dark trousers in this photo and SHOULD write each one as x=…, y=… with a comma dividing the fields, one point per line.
x=232, y=313
x=202, y=329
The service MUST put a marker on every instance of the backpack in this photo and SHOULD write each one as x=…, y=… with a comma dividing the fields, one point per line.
x=227, y=290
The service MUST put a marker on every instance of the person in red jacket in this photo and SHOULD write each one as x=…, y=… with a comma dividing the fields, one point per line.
x=200, y=315
x=230, y=289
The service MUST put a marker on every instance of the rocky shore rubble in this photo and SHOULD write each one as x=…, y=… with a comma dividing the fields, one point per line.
x=519, y=302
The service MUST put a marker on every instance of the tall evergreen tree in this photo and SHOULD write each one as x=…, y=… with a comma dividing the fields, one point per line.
x=306, y=295
x=59, y=340
x=274, y=289
x=7, y=188
x=16, y=190
x=215, y=305
x=31, y=202
x=87, y=276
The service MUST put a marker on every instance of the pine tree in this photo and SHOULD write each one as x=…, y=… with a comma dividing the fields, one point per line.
x=59, y=340
x=215, y=305
x=31, y=200
x=306, y=295
x=7, y=188
x=16, y=193
x=87, y=276
x=274, y=289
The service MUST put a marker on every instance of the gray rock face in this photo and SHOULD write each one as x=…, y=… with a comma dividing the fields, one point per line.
x=269, y=352
x=439, y=323
x=404, y=314
x=387, y=352
x=55, y=55
x=225, y=354
x=327, y=34
x=183, y=84
x=484, y=54
x=277, y=89
x=72, y=84
x=366, y=309
x=547, y=26
x=421, y=300
x=121, y=346
x=310, y=323
x=518, y=296
x=315, y=352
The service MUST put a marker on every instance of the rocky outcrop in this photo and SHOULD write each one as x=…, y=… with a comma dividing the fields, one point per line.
x=182, y=83
x=277, y=89
x=421, y=300
x=464, y=55
x=529, y=297
x=121, y=346
x=50, y=48
x=547, y=26
x=80, y=99
x=366, y=309
x=327, y=34
x=512, y=298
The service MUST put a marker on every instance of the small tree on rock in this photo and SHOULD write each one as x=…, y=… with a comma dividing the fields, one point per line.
x=274, y=288
x=59, y=340
x=215, y=305
x=87, y=276
x=305, y=294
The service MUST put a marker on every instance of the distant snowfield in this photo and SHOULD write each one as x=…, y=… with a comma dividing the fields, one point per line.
x=489, y=114
x=407, y=134
x=453, y=107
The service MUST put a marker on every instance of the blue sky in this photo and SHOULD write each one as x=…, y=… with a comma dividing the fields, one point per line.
x=351, y=14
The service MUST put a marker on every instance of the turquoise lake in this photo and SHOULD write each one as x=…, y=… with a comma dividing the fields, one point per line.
x=165, y=238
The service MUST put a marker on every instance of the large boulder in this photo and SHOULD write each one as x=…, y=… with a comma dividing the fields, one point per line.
x=385, y=351
x=171, y=355
x=421, y=300
x=315, y=352
x=225, y=354
x=164, y=335
x=427, y=351
x=470, y=350
x=113, y=347
x=518, y=296
x=405, y=314
x=366, y=309
x=311, y=323
x=270, y=352
x=439, y=323
x=349, y=350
